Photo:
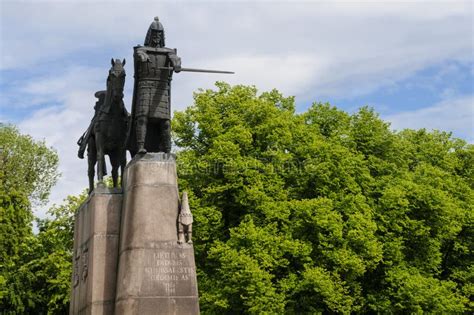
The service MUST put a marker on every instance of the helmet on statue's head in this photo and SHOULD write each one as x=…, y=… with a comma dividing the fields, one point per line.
x=155, y=37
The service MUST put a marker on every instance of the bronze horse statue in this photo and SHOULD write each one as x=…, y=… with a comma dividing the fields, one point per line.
x=107, y=132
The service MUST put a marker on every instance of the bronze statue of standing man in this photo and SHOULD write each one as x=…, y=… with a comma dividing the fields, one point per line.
x=151, y=106
x=150, y=130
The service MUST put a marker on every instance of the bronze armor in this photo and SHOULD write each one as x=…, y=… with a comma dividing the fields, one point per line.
x=153, y=83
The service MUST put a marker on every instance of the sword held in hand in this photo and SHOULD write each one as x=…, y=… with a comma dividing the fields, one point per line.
x=196, y=70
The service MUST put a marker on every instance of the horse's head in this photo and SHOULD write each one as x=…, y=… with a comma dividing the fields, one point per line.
x=116, y=79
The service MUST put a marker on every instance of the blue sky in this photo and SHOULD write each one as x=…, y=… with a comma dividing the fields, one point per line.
x=422, y=89
x=412, y=61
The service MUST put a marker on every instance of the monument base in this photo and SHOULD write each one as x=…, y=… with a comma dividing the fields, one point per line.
x=156, y=274
x=96, y=244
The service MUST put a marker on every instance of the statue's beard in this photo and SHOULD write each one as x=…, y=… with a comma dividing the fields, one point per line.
x=155, y=42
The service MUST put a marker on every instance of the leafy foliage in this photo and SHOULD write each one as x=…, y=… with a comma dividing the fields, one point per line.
x=323, y=211
x=53, y=265
x=35, y=270
x=38, y=276
x=295, y=213
x=26, y=166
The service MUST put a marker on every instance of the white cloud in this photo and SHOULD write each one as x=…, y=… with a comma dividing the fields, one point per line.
x=455, y=115
x=290, y=74
x=62, y=124
x=60, y=127
x=364, y=43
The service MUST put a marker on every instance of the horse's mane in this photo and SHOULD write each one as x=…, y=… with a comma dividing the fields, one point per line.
x=117, y=65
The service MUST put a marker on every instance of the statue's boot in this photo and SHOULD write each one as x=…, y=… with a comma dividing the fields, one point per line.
x=141, y=148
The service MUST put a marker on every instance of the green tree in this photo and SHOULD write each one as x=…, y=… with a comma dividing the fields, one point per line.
x=26, y=166
x=28, y=169
x=53, y=264
x=323, y=211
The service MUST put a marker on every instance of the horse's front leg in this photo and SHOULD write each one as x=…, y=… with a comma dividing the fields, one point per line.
x=123, y=163
x=115, y=162
x=100, y=156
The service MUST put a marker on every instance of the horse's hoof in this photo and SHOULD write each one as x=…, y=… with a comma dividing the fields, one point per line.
x=142, y=151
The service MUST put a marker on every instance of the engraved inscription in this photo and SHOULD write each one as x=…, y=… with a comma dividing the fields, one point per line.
x=169, y=266
x=169, y=273
x=170, y=288
x=166, y=269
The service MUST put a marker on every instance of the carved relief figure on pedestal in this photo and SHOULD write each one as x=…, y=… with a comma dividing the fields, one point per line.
x=75, y=276
x=185, y=221
x=85, y=263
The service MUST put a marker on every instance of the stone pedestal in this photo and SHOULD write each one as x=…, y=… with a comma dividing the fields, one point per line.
x=96, y=242
x=156, y=274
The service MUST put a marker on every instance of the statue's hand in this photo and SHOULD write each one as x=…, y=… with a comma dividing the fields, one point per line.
x=143, y=56
x=175, y=62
